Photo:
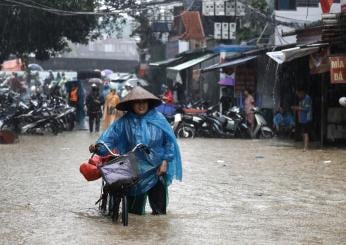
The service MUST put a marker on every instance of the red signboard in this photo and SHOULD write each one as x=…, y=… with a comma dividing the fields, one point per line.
x=12, y=65
x=338, y=69
x=325, y=5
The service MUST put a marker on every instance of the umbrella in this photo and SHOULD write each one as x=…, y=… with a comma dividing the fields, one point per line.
x=227, y=81
x=95, y=80
x=137, y=81
x=107, y=72
x=35, y=67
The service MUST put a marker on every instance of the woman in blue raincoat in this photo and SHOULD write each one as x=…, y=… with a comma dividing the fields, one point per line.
x=142, y=124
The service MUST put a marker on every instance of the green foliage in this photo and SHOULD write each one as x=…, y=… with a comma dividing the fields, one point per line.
x=252, y=27
x=139, y=12
x=28, y=30
x=260, y=5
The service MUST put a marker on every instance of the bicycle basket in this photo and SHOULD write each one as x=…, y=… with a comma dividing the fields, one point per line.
x=121, y=171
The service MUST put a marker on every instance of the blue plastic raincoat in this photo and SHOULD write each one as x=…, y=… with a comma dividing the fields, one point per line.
x=153, y=130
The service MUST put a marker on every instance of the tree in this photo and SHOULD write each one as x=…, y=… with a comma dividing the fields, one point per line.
x=141, y=12
x=254, y=23
x=43, y=27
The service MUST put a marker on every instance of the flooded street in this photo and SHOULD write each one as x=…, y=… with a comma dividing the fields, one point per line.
x=233, y=192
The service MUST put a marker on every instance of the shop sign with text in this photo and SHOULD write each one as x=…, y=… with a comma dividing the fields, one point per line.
x=338, y=69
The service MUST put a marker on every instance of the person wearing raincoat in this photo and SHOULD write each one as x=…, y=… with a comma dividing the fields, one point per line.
x=144, y=124
x=110, y=113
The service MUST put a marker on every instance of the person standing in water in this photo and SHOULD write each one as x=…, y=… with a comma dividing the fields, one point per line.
x=110, y=113
x=304, y=110
x=142, y=123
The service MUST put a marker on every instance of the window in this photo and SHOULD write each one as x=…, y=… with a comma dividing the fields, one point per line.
x=285, y=4
x=308, y=3
x=109, y=48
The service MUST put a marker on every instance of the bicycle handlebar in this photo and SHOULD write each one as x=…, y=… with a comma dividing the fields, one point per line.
x=138, y=146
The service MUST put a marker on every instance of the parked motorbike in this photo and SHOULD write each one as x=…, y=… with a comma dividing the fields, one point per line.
x=212, y=124
x=37, y=116
x=261, y=128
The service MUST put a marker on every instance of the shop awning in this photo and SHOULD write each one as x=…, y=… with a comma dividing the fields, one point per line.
x=229, y=63
x=165, y=62
x=287, y=55
x=191, y=63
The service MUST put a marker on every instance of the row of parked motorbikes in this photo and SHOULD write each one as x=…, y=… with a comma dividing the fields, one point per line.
x=34, y=114
x=209, y=122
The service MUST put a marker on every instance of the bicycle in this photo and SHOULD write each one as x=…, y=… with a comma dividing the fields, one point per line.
x=118, y=175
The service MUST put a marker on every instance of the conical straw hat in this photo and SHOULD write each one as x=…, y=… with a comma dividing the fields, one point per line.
x=138, y=93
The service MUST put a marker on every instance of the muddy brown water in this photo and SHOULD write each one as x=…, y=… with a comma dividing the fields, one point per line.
x=233, y=192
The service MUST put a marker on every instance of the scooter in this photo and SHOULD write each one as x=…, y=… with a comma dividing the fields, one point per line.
x=261, y=129
x=211, y=124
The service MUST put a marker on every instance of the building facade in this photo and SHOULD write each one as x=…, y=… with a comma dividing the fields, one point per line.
x=292, y=14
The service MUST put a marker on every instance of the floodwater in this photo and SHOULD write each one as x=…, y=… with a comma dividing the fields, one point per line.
x=233, y=192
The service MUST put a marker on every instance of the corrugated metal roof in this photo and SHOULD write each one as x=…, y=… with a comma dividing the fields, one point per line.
x=287, y=55
x=229, y=63
x=193, y=26
x=191, y=63
x=165, y=62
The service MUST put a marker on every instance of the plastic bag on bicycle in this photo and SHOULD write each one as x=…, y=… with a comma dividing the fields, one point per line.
x=121, y=172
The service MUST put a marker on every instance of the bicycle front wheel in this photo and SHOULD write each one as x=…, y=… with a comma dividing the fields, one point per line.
x=125, y=211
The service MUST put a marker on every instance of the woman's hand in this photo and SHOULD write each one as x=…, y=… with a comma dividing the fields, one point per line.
x=162, y=169
x=92, y=148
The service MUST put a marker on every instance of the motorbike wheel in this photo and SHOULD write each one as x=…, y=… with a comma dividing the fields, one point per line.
x=185, y=132
x=243, y=133
x=50, y=128
x=71, y=125
x=266, y=134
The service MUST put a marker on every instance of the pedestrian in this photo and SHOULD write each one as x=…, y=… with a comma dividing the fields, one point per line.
x=94, y=102
x=304, y=110
x=73, y=95
x=106, y=89
x=15, y=83
x=110, y=112
x=143, y=124
x=127, y=88
x=283, y=122
x=61, y=82
x=226, y=101
x=249, y=104
x=167, y=94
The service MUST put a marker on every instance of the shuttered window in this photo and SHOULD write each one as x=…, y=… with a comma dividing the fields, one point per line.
x=285, y=4
x=307, y=3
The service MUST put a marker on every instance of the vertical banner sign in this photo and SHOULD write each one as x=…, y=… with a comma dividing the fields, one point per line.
x=343, y=6
x=326, y=5
x=337, y=69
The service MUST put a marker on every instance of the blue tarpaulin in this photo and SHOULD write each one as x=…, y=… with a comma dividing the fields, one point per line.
x=233, y=48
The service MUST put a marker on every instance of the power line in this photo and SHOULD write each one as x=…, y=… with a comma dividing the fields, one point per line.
x=296, y=20
x=56, y=11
